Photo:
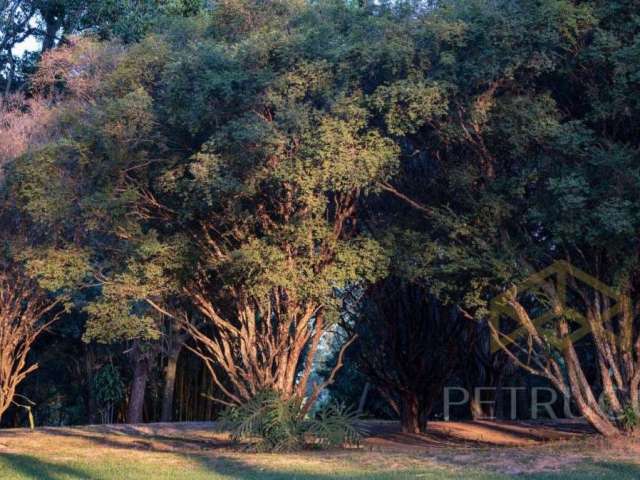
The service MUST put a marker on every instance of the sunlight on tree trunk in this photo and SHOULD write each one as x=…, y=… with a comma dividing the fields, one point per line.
x=25, y=312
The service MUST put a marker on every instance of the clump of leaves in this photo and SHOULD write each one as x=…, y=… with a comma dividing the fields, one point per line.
x=273, y=424
x=629, y=419
x=108, y=389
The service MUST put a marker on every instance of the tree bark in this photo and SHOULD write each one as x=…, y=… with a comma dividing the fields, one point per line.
x=475, y=408
x=89, y=365
x=412, y=419
x=578, y=387
x=363, y=398
x=138, y=385
x=498, y=404
x=53, y=25
x=170, y=384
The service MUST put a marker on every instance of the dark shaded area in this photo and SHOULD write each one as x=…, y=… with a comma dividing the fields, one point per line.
x=600, y=470
x=32, y=467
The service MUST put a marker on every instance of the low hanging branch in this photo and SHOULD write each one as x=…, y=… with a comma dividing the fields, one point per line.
x=319, y=387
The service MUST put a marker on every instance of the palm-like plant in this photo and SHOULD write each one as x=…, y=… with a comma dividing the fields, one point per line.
x=274, y=424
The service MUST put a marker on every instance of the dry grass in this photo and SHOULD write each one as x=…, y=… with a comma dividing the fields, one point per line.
x=194, y=451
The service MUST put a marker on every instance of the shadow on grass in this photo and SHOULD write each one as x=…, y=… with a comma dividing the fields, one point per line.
x=592, y=471
x=233, y=468
x=217, y=462
x=132, y=438
x=30, y=467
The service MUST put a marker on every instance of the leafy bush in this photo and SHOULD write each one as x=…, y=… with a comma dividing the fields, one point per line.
x=274, y=424
x=108, y=389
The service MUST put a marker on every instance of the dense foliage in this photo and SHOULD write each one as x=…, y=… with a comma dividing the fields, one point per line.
x=234, y=182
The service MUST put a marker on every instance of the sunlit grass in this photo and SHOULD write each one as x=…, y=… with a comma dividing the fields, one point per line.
x=192, y=453
x=173, y=467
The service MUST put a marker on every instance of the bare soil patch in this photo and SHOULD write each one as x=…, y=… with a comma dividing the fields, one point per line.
x=476, y=433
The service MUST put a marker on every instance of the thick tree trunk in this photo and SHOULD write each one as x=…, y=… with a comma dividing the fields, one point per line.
x=582, y=393
x=138, y=385
x=412, y=418
x=169, y=384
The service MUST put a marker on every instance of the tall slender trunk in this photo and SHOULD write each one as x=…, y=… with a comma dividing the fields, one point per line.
x=498, y=399
x=138, y=385
x=569, y=379
x=89, y=365
x=363, y=398
x=10, y=74
x=170, y=384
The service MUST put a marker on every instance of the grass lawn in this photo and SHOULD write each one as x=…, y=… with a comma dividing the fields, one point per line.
x=133, y=453
x=32, y=467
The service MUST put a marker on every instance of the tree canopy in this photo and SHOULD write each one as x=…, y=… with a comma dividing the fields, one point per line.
x=248, y=171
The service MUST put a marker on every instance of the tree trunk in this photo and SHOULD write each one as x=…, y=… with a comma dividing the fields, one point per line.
x=498, y=400
x=582, y=393
x=363, y=398
x=411, y=418
x=89, y=365
x=10, y=75
x=169, y=384
x=138, y=385
x=475, y=407
x=53, y=25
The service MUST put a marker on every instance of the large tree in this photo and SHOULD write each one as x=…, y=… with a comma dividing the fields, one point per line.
x=265, y=209
x=409, y=346
x=225, y=178
x=513, y=180
x=223, y=172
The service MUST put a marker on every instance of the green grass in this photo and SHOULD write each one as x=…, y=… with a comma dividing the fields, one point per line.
x=30, y=467
x=197, y=452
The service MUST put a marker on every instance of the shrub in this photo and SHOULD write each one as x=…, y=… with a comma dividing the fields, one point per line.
x=629, y=419
x=275, y=424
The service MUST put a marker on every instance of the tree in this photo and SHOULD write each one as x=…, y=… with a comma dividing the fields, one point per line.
x=67, y=79
x=16, y=18
x=26, y=310
x=273, y=224
x=234, y=174
x=410, y=345
x=252, y=222
x=514, y=182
